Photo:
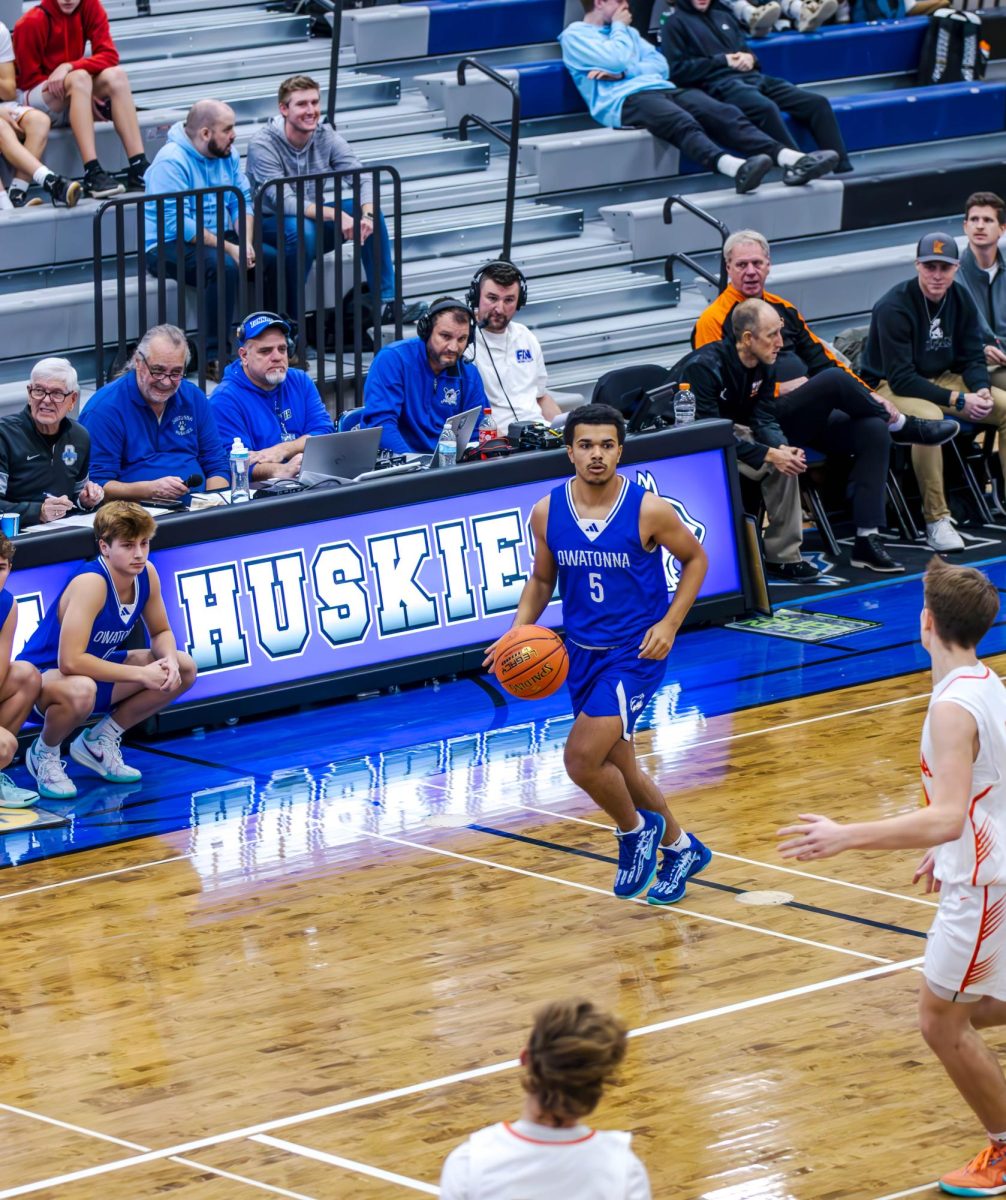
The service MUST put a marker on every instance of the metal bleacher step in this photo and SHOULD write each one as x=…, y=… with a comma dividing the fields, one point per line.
x=479, y=227
x=615, y=290
x=255, y=100
x=197, y=33
x=252, y=62
x=124, y=10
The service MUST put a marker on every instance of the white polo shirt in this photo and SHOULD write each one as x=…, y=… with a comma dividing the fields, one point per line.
x=513, y=373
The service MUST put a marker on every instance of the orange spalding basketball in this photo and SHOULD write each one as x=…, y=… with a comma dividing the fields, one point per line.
x=531, y=661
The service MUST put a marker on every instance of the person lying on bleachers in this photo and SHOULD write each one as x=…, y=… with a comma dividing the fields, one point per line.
x=925, y=353
x=821, y=402
x=297, y=142
x=624, y=81
x=72, y=88
x=706, y=49
x=983, y=273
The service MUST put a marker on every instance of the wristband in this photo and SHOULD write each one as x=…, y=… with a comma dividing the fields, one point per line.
x=959, y=402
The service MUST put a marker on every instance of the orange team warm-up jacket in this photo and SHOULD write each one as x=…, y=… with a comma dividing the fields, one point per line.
x=797, y=336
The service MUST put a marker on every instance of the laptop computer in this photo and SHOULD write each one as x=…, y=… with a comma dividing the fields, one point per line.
x=463, y=424
x=341, y=455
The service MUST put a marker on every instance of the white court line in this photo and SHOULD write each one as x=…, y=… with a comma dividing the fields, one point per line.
x=752, y=862
x=46, y=887
x=253, y=1131
x=255, y=1183
x=335, y=1161
x=587, y=887
x=926, y=1187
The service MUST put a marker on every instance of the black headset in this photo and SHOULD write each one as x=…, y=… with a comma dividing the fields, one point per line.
x=473, y=296
x=424, y=326
x=289, y=328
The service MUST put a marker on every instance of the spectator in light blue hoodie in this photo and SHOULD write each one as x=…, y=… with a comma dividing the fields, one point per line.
x=624, y=81
x=199, y=153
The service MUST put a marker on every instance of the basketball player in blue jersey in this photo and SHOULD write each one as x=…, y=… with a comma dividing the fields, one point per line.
x=600, y=536
x=19, y=688
x=78, y=647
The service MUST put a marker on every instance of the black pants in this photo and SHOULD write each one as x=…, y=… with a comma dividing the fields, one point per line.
x=642, y=14
x=690, y=120
x=760, y=97
x=832, y=413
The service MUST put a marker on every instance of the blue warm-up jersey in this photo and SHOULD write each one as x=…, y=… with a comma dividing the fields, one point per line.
x=612, y=589
x=111, y=626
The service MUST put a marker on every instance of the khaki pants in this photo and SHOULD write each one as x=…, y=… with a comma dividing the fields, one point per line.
x=927, y=461
x=783, y=535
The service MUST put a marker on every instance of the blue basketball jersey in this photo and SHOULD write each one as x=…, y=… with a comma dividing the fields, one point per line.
x=612, y=588
x=6, y=604
x=112, y=626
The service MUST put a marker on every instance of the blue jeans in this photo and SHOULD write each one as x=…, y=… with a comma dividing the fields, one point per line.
x=209, y=303
x=331, y=234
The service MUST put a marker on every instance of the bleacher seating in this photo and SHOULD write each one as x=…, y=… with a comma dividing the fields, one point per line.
x=588, y=218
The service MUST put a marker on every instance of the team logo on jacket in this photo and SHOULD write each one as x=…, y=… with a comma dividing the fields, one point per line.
x=69, y=456
x=451, y=397
x=183, y=424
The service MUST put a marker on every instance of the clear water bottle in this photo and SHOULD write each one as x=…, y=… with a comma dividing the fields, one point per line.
x=447, y=446
x=487, y=430
x=684, y=405
x=240, y=488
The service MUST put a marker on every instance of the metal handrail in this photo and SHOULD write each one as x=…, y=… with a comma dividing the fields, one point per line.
x=335, y=8
x=511, y=142
x=687, y=259
x=200, y=198
x=319, y=190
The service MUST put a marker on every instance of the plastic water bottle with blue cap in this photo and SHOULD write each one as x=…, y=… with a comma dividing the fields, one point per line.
x=447, y=446
x=684, y=405
x=240, y=487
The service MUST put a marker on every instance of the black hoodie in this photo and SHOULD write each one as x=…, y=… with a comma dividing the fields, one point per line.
x=696, y=44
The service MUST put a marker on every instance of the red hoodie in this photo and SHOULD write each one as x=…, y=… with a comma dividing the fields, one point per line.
x=45, y=38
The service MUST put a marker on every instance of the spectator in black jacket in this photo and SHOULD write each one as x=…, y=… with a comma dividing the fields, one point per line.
x=44, y=454
x=983, y=273
x=706, y=49
x=925, y=353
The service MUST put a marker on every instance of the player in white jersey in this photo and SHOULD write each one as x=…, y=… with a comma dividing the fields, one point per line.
x=573, y=1051
x=964, y=818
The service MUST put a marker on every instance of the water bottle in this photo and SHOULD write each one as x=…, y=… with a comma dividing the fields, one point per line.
x=240, y=490
x=447, y=446
x=487, y=430
x=684, y=405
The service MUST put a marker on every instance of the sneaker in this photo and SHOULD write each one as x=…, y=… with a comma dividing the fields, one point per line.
x=811, y=166
x=12, y=796
x=135, y=181
x=984, y=1175
x=63, y=192
x=917, y=432
x=675, y=871
x=752, y=173
x=793, y=571
x=814, y=13
x=103, y=755
x=410, y=312
x=942, y=536
x=762, y=18
x=100, y=185
x=637, y=856
x=870, y=553
x=20, y=199
x=47, y=771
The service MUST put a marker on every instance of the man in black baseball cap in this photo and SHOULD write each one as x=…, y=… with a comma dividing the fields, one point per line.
x=925, y=353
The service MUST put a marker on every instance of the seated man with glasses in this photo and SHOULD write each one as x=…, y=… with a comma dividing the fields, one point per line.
x=153, y=433
x=44, y=453
x=272, y=407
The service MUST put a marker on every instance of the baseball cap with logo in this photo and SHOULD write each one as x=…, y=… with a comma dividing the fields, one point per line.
x=937, y=247
x=257, y=323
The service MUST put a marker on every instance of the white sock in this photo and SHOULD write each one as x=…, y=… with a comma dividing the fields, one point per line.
x=998, y=1138
x=41, y=175
x=897, y=423
x=682, y=842
x=628, y=832
x=728, y=164
x=787, y=157
x=741, y=9
x=866, y=532
x=5, y=202
x=791, y=9
x=17, y=185
x=45, y=748
x=105, y=725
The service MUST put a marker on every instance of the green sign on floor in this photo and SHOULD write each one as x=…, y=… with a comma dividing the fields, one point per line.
x=800, y=625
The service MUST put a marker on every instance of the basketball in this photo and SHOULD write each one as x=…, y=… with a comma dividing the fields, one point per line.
x=531, y=662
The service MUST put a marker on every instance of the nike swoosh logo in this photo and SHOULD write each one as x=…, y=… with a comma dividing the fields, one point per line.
x=33, y=456
x=97, y=754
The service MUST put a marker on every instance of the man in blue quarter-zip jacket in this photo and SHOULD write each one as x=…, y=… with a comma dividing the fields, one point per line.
x=624, y=81
x=415, y=385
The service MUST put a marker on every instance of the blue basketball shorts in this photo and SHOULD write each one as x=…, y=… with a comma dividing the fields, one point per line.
x=103, y=695
x=612, y=683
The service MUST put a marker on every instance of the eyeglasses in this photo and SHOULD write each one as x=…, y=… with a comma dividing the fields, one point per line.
x=40, y=393
x=175, y=374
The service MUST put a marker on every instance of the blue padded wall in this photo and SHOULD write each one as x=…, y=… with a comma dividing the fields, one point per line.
x=473, y=25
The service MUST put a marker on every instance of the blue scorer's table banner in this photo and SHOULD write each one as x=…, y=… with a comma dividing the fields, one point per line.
x=290, y=603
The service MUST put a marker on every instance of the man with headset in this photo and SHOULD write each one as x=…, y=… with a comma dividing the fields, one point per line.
x=272, y=407
x=507, y=353
x=413, y=386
